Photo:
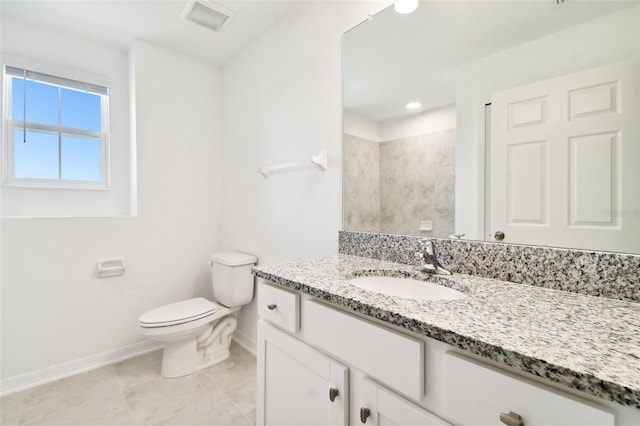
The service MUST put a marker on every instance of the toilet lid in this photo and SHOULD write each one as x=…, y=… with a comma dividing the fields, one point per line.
x=179, y=312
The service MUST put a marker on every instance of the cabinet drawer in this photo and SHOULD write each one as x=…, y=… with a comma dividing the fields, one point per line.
x=279, y=306
x=476, y=394
x=392, y=358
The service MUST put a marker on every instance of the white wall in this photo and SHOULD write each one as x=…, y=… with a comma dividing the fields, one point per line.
x=56, y=317
x=282, y=103
x=430, y=121
x=434, y=120
x=30, y=46
x=361, y=126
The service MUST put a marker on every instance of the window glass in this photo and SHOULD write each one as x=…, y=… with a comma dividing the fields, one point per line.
x=80, y=158
x=17, y=99
x=66, y=141
x=38, y=157
x=42, y=102
x=80, y=110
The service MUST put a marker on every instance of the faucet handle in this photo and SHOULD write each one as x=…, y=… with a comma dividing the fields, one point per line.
x=429, y=247
x=428, y=259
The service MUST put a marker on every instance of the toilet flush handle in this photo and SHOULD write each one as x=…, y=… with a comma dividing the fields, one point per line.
x=271, y=306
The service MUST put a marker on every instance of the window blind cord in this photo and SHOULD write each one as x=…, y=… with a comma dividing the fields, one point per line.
x=24, y=106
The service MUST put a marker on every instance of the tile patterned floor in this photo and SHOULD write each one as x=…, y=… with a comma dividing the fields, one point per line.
x=132, y=393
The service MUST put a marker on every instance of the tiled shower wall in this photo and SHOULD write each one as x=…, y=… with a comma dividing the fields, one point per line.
x=361, y=184
x=392, y=186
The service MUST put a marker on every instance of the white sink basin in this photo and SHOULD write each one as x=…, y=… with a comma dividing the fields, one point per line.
x=407, y=288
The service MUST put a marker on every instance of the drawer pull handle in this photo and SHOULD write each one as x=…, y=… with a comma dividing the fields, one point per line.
x=511, y=419
x=271, y=306
x=364, y=414
x=333, y=392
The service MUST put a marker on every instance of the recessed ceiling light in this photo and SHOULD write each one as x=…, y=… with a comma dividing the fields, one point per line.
x=413, y=105
x=405, y=6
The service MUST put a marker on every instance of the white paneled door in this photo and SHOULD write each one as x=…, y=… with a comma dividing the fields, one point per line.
x=565, y=161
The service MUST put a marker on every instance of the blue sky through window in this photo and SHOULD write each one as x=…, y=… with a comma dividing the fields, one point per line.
x=52, y=155
x=42, y=102
x=80, y=158
x=38, y=158
x=80, y=110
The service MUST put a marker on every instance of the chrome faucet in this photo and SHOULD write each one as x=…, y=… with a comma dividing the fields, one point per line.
x=429, y=261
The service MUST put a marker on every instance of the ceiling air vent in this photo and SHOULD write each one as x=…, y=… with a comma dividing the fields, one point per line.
x=206, y=14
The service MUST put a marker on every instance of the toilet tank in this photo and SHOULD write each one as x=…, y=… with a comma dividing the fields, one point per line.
x=231, y=278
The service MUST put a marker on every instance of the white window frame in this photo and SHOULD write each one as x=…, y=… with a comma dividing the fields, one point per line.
x=9, y=178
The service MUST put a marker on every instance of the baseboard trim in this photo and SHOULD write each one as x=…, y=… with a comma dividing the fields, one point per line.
x=245, y=341
x=70, y=368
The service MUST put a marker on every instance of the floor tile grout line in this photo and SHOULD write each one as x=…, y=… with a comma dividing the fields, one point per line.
x=237, y=385
x=253, y=379
x=239, y=410
x=145, y=380
x=19, y=410
x=126, y=404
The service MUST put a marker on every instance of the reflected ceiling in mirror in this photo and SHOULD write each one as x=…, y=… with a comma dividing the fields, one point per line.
x=427, y=171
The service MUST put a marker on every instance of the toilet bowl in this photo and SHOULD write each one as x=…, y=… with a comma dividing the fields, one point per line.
x=196, y=333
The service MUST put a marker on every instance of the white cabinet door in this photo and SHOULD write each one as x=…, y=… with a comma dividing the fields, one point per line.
x=564, y=161
x=297, y=385
x=381, y=407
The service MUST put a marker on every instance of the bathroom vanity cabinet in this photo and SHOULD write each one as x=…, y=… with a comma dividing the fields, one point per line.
x=320, y=364
x=312, y=376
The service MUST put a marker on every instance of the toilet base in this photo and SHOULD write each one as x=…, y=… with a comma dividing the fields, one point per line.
x=179, y=358
x=186, y=356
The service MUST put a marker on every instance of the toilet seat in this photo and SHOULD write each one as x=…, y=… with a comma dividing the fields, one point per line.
x=182, y=312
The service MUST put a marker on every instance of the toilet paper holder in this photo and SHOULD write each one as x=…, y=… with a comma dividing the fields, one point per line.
x=110, y=268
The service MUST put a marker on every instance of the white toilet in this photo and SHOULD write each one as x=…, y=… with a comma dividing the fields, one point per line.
x=197, y=332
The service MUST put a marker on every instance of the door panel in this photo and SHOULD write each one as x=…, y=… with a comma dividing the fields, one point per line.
x=527, y=184
x=594, y=178
x=599, y=99
x=528, y=112
x=564, y=156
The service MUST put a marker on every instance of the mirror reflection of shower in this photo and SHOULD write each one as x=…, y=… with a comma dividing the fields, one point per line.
x=399, y=178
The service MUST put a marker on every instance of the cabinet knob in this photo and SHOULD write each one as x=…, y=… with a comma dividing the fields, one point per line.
x=499, y=235
x=364, y=414
x=271, y=306
x=333, y=392
x=511, y=419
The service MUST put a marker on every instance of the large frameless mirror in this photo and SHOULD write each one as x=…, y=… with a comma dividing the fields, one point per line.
x=512, y=121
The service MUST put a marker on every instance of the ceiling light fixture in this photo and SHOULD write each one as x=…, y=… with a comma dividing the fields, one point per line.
x=405, y=6
x=413, y=105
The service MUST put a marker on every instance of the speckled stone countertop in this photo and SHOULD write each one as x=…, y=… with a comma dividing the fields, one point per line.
x=588, y=343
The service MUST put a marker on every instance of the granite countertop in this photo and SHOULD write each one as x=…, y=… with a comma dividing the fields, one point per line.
x=588, y=343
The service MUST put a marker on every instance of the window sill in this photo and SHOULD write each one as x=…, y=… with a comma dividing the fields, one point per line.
x=55, y=184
